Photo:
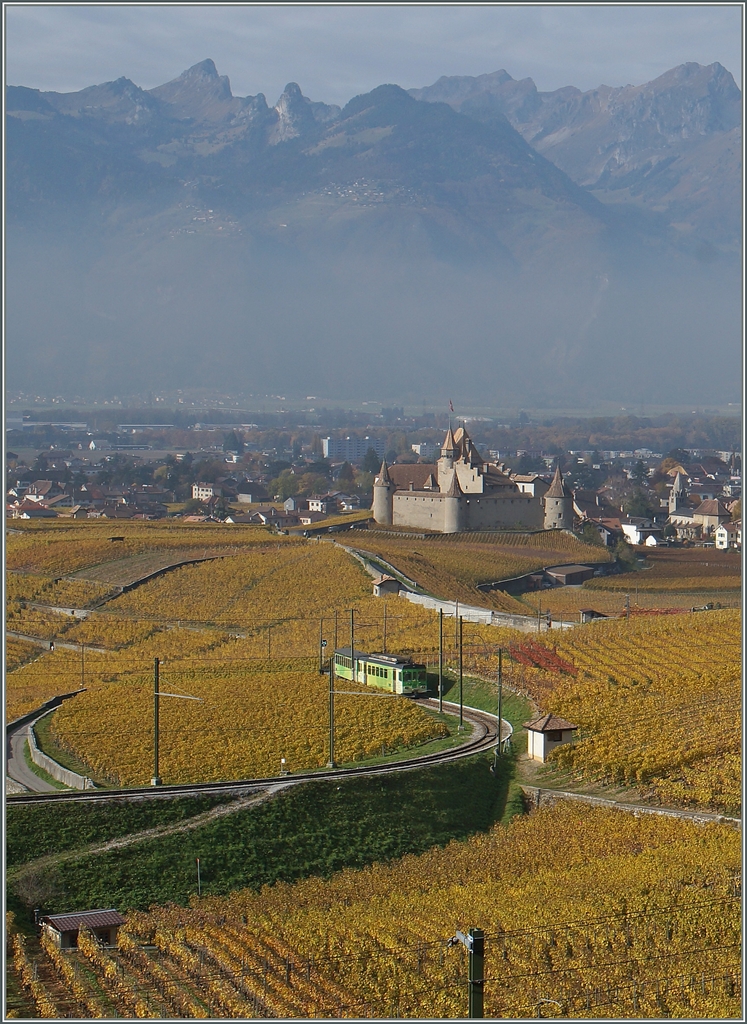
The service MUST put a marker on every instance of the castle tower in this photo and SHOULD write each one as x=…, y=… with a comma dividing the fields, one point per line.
x=558, y=504
x=678, y=494
x=455, y=510
x=446, y=462
x=383, y=496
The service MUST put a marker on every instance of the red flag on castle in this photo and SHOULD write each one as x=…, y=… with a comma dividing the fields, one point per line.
x=451, y=406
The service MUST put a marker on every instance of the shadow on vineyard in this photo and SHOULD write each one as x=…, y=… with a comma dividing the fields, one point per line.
x=314, y=829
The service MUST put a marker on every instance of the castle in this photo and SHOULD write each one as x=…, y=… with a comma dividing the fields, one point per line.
x=463, y=492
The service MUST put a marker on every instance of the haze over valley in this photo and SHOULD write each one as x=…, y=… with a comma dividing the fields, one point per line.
x=474, y=239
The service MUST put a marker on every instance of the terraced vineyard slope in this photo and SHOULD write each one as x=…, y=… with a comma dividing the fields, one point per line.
x=587, y=914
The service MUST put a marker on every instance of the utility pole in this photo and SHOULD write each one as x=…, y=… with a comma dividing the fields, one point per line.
x=499, y=748
x=157, y=694
x=539, y=613
x=156, y=780
x=474, y=943
x=269, y=642
x=627, y=606
x=352, y=645
x=82, y=666
x=199, y=880
x=384, y=647
x=461, y=678
x=335, y=630
x=331, y=762
x=476, y=977
x=440, y=660
x=321, y=646
x=456, y=623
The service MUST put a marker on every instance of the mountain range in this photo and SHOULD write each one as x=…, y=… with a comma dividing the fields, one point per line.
x=476, y=236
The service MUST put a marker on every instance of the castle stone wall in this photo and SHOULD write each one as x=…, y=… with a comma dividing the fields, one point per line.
x=418, y=509
x=486, y=512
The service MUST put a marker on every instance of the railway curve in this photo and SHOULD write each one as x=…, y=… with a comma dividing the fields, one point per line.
x=484, y=737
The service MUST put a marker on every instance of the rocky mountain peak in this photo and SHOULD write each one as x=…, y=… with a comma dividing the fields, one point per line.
x=654, y=139
x=455, y=89
x=204, y=69
x=297, y=115
x=199, y=93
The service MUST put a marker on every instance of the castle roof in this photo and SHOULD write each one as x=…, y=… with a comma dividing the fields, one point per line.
x=415, y=473
x=557, y=488
x=454, y=491
x=383, y=477
x=449, y=444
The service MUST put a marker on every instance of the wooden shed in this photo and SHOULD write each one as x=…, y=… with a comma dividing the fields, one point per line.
x=545, y=733
x=63, y=928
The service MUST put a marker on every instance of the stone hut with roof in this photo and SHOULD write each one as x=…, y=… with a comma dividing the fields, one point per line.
x=460, y=492
x=63, y=928
x=545, y=733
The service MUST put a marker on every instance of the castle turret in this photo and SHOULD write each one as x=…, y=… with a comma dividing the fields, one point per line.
x=448, y=448
x=454, y=508
x=558, y=502
x=446, y=462
x=383, y=496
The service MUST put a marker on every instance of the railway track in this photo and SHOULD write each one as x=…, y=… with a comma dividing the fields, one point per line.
x=484, y=737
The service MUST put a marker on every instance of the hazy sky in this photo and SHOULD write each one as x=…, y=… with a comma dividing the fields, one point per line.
x=335, y=52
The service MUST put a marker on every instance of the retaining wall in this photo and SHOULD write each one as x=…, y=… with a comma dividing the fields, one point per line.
x=535, y=797
x=64, y=775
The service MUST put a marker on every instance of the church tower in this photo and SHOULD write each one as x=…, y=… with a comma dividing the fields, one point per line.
x=678, y=494
x=558, y=504
x=383, y=496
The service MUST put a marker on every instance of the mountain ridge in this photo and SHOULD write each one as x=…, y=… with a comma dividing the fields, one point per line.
x=182, y=233
x=652, y=140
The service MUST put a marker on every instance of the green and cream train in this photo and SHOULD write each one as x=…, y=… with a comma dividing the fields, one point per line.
x=385, y=671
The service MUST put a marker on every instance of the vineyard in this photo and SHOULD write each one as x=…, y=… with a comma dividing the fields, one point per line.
x=681, y=569
x=452, y=567
x=587, y=914
x=65, y=547
x=18, y=652
x=250, y=718
x=242, y=633
x=658, y=702
x=73, y=593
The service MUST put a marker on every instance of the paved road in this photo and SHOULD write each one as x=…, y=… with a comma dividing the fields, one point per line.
x=58, y=643
x=16, y=766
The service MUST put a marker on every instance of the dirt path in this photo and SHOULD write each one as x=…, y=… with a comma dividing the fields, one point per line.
x=42, y=864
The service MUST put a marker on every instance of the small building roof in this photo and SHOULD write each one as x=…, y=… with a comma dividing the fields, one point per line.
x=548, y=723
x=83, y=918
x=384, y=579
x=564, y=570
